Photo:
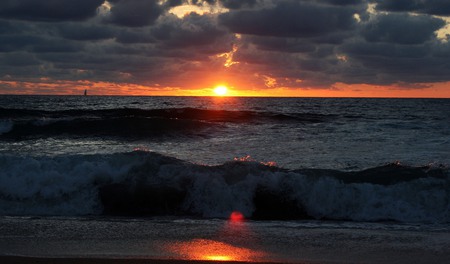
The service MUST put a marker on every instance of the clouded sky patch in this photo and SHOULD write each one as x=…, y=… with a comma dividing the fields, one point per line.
x=276, y=45
x=49, y=10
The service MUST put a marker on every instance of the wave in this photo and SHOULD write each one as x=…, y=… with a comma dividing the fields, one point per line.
x=149, y=184
x=18, y=124
x=132, y=127
x=169, y=113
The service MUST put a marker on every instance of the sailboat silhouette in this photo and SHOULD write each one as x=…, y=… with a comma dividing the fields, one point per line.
x=85, y=92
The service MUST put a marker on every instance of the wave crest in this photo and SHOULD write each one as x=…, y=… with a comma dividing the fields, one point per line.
x=145, y=183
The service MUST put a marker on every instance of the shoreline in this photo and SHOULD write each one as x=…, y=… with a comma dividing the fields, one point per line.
x=97, y=260
x=75, y=241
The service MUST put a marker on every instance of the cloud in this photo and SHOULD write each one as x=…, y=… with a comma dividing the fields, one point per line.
x=84, y=31
x=291, y=45
x=390, y=63
x=282, y=43
x=49, y=10
x=344, y=2
x=433, y=7
x=16, y=59
x=37, y=44
x=290, y=19
x=402, y=28
x=134, y=13
x=173, y=3
x=191, y=31
x=237, y=4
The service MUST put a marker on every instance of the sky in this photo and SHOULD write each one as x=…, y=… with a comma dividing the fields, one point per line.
x=331, y=48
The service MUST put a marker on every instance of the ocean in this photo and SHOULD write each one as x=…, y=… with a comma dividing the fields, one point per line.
x=159, y=177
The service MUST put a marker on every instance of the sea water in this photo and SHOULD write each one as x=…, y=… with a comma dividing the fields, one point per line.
x=297, y=169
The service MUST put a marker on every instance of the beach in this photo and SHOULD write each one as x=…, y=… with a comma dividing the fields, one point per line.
x=131, y=240
x=25, y=260
x=285, y=180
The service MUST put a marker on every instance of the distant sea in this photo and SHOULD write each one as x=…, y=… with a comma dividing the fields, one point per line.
x=290, y=165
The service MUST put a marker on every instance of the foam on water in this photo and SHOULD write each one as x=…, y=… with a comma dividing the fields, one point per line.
x=145, y=183
x=64, y=185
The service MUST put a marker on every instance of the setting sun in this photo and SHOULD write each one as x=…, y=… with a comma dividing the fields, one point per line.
x=221, y=90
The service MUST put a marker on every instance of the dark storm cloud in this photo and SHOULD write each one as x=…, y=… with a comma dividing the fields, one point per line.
x=49, y=10
x=344, y=2
x=172, y=3
x=192, y=30
x=402, y=28
x=435, y=7
x=290, y=19
x=236, y=4
x=37, y=44
x=230, y=4
x=84, y=31
x=11, y=43
x=396, y=47
x=127, y=45
x=7, y=27
x=19, y=59
x=385, y=48
x=388, y=50
x=293, y=45
x=297, y=43
x=135, y=13
x=130, y=36
x=387, y=63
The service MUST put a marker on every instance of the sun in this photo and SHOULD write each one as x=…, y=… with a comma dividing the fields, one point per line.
x=221, y=90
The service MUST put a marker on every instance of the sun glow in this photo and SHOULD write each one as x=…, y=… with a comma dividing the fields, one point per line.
x=221, y=90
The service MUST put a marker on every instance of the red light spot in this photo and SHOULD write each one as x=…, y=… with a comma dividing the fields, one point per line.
x=236, y=216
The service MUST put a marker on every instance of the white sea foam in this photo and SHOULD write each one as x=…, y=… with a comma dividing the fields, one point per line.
x=64, y=185
x=422, y=200
x=69, y=185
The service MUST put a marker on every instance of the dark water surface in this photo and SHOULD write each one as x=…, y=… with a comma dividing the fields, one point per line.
x=367, y=174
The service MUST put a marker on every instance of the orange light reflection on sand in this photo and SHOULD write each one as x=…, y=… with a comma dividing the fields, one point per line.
x=218, y=258
x=213, y=250
x=206, y=249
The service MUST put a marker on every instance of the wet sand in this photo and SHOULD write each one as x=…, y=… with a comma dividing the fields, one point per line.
x=86, y=240
x=35, y=260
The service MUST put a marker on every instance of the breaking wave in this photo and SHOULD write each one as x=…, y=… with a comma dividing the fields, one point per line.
x=149, y=184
